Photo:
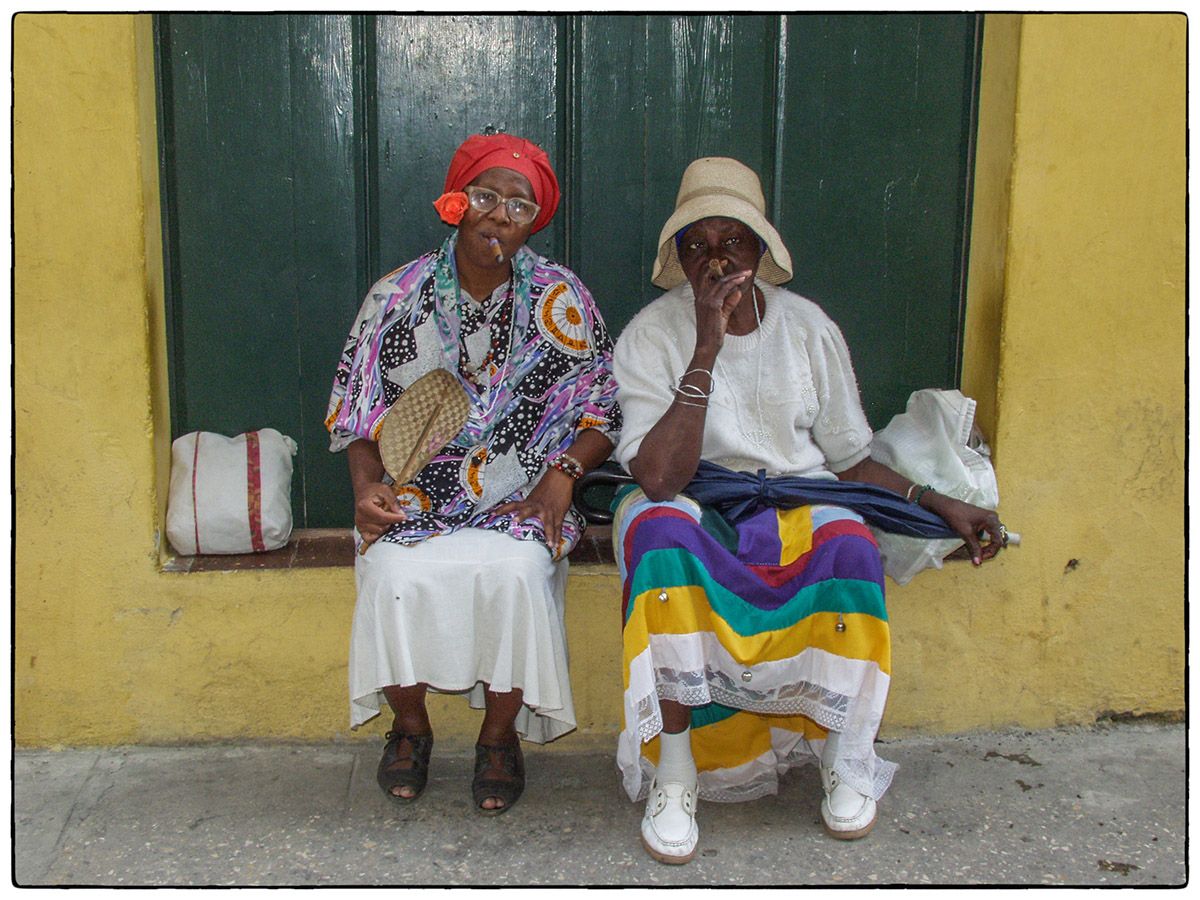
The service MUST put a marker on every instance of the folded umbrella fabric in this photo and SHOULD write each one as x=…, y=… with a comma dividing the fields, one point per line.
x=735, y=495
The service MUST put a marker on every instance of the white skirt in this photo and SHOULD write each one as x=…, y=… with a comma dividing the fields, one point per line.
x=458, y=612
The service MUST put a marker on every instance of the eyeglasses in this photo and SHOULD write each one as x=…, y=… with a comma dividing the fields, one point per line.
x=519, y=209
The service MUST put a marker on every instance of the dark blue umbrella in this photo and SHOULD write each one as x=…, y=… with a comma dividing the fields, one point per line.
x=738, y=494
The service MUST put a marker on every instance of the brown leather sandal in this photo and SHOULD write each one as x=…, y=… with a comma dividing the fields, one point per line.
x=509, y=760
x=416, y=776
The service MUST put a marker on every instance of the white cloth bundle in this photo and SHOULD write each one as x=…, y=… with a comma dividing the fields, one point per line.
x=934, y=442
x=230, y=495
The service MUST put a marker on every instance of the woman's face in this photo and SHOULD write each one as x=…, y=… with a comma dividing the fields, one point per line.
x=733, y=244
x=476, y=229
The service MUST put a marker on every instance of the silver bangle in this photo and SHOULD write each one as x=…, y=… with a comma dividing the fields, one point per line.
x=694, y=390
x=691, y=390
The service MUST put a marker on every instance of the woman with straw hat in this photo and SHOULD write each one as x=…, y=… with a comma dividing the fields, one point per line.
x=460, y=585
x=755, y=641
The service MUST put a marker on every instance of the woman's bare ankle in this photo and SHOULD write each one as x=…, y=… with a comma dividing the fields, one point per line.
x=417, y=726
x=676, y=717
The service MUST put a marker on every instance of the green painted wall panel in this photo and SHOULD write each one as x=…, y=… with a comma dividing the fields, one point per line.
x=328, y=212
x=232, y=173
x=876, y=173
x=302, y=153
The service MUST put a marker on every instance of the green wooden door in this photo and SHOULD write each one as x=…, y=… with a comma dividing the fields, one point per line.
x=300, y=155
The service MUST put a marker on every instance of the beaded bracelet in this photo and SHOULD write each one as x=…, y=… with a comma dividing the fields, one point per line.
x=921, y=493
x=567, y=464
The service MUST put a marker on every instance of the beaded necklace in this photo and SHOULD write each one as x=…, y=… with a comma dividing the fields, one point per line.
x=480, y=374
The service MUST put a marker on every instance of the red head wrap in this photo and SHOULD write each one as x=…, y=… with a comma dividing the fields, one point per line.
x=481, y=152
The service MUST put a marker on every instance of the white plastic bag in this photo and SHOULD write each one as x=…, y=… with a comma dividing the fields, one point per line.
x=230, y=495
x=934, y=442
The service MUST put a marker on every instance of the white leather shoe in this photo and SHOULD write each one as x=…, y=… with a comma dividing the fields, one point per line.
x=847, y=814
x=669, y=830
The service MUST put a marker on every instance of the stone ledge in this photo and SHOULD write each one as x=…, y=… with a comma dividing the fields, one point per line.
x=313, y=548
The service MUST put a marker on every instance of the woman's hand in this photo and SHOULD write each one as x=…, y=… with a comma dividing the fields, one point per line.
x=376, y=509
x=548, y=501
x=717, y=296
x=969, y=522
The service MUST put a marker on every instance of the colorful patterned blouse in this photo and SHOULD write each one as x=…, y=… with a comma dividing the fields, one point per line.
x=535, y=359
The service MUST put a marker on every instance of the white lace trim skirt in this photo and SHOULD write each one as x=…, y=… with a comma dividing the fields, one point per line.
x=458, y=612
x=764, y=730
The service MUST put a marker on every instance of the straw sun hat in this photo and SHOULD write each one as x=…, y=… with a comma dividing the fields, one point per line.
x=719, y=186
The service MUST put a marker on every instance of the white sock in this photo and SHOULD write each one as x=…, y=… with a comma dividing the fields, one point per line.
x=675, y=762
x=829, y=751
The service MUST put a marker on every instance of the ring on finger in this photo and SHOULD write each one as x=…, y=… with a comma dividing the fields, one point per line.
x=1003, y=535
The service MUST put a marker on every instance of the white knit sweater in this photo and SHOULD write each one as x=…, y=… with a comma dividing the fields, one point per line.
x=785, y=398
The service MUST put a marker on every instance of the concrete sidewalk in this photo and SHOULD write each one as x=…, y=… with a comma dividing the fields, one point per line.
x=1095, y=806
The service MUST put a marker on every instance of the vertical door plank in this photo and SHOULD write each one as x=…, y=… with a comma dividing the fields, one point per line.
x=655, y=93
x=612, y=232
x=876, y=173
x=232, y=184
x=327, y=251
x=438, y=80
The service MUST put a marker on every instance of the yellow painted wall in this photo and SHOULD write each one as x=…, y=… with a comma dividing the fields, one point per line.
x=1091, y=408
x=108, y=649
x=1079, y=313
x=1088, y=417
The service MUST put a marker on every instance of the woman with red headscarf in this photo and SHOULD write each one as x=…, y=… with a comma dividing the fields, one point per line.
x=460, y=585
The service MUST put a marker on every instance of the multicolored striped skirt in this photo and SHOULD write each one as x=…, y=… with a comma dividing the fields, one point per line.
x=773, y=631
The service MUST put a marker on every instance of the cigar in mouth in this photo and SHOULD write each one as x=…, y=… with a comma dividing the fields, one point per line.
x=495, y=245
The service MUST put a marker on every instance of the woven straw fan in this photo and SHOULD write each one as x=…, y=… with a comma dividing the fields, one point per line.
x=429, y=415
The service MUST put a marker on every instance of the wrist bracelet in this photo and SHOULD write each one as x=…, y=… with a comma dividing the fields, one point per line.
x=690, y=390
x=566, y=464
x=694, y=390
x=707, y=372
x=921, y=493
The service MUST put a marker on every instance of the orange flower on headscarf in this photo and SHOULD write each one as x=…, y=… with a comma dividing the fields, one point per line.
x=451, y=206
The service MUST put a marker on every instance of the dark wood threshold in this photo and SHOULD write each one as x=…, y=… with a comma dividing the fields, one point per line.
x=316, y=548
